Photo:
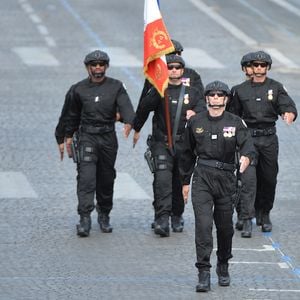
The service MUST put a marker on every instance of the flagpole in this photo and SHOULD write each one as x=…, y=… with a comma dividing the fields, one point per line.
x=168, y=122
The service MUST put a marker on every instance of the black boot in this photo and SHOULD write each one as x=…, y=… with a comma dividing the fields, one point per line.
x=247, y=229
x=239, y=224
x=266, y=223
x=84, y=226
x=204, y=282
x=177, y=223
x=103, y=220
x=223, y=275
x=258, y=217
x=162, y=226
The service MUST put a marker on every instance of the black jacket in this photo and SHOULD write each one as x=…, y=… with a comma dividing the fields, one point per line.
x=96, y=104
x=259, y=104
x=154, y=102
x=214, y=138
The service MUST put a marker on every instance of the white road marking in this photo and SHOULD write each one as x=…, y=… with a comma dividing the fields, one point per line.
x=121, y=57
x=280, y=265
x=36, y=56
x=281, y=58
x=265, y=248
x=127, y=188
x=291, y=8
x=50, y=41
x=198, y=58
x=240, y=35
x=27, y=8
x=42, y=29
x=274, y=290
x=15, y=185
x=35, y=19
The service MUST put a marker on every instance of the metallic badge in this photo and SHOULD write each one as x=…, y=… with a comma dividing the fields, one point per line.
x=186, y=81
x=199, y=130
x=97, y=99
x=186, y=99
x=270, y=94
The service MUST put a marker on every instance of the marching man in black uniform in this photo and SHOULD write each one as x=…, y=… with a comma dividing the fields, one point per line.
x=90, y=110
x=259, y=102
x=184, y=101
x=210, y=142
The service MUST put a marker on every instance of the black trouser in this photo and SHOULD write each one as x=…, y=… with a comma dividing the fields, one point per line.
x=96, y=172
x=212, y=192
x=266, y=171
x=167, y=188
x=245, y=205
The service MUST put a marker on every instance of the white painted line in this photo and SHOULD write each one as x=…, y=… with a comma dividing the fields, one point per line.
x=281, y=58
x=43, y=30
x=275, y=290
x=15, y=185
x=121, y=57
x=291, y=8
x=36, y=56
x=265, y=248
x=127, y=188
x=254, y=262
x=224, y=23
x=50, y=41
x=27, y=8
x=198, y=58
x=35, y=18
x=283, y=265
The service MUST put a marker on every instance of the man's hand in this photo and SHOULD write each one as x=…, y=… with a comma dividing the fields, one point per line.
x=189, y=113
x=136, y=137
x=185, y=192
x=244, y=163
x=288, y=117
x=118, y=117
x=68, y=146
x=61, y=149
x=127, y=129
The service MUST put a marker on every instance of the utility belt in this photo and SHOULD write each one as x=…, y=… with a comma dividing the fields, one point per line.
x=164, y=138
x=262, y=132
x=216, y=164
x=97, y=129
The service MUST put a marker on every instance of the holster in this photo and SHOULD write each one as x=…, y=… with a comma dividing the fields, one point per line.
x=75, y=148
x=148, y=155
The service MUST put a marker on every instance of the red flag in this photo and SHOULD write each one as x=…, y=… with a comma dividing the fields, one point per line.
x=157, y=43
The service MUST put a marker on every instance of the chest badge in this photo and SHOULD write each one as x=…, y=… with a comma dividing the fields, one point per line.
x=186, y=81
x=228, y=132
x=199, y=130
x=97, y=99
x=186, y=99
x=270, y=95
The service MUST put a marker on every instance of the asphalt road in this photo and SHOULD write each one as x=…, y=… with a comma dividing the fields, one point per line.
x=42, y=47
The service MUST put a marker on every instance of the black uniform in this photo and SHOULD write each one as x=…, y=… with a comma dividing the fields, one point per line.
x=189, y=78
x=245, y=203
x=60, y=128
x=166, y=186
x=259, y=104
x=92, y=111
x=210, y=143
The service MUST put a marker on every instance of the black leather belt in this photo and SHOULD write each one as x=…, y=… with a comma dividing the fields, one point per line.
x=216, y=164
x=262, y=132
x=97, y=129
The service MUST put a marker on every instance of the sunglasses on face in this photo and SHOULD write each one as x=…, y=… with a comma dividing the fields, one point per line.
x=177, y=67
x=96, y=63
x=257, y=64
x=219, y=94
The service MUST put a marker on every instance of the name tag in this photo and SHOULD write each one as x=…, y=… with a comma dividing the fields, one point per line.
x=214, y=136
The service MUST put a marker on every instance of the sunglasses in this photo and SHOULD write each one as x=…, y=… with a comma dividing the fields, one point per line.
x=177, y=67
x=257, y=64
x=96, y=63
x=219, y=94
